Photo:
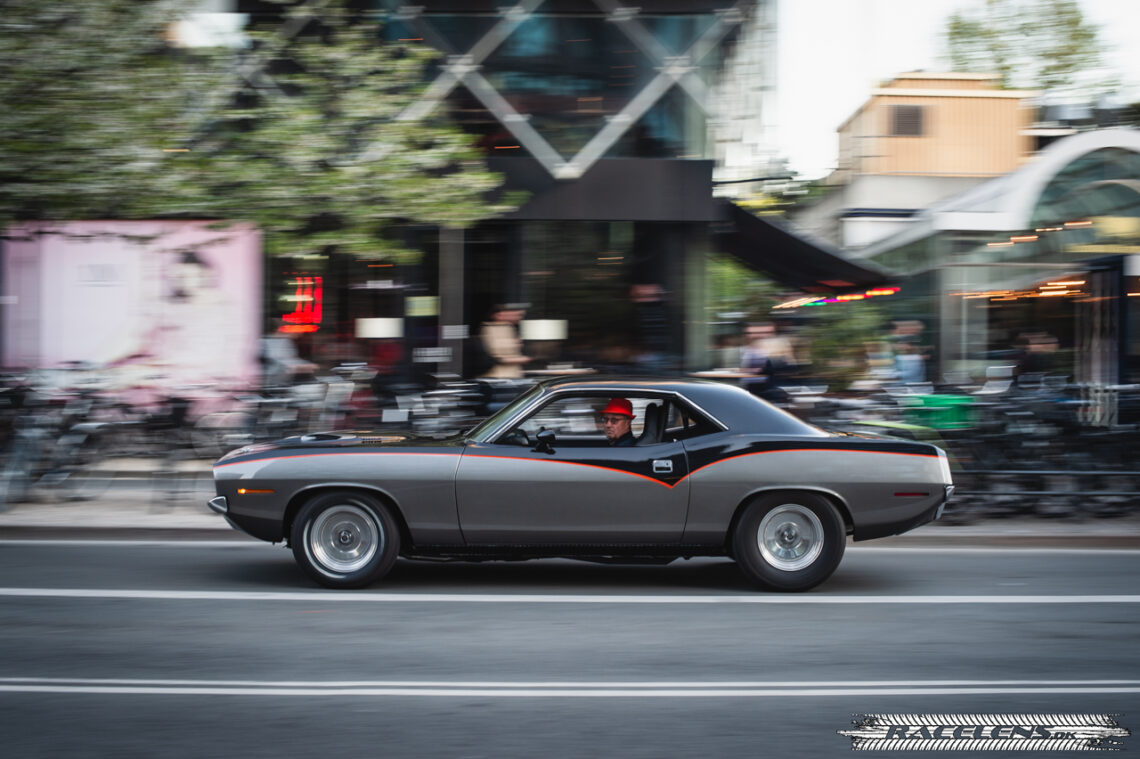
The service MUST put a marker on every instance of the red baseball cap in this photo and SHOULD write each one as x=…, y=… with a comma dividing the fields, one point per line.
x=619, y=406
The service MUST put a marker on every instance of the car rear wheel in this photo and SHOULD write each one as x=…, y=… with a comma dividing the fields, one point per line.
x=789, y=541
x=345, y=540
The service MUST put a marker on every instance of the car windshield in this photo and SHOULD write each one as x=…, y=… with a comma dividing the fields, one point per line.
x=479, y=431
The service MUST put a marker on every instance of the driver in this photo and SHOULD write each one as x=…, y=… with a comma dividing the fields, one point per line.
x=616, y=419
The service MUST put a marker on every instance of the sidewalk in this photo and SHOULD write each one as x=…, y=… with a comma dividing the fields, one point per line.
x=142, y=505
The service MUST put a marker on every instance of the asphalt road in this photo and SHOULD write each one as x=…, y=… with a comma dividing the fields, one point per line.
x=224, y=649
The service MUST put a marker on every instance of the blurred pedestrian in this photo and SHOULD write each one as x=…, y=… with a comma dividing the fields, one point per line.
x=765, y=351
x=281, y=362
x=1037, y=352
x=652, y=326
x=911, y=353
x=500, y=338
x=768, y=356
x=909, y=365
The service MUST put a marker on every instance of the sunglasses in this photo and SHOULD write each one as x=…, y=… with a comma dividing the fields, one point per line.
x=613, y=419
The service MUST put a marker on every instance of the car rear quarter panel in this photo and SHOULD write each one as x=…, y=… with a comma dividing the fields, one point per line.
x=880, y=488
x=420, y=483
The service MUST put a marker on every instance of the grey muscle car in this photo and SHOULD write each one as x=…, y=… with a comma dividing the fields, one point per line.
x=711, y=470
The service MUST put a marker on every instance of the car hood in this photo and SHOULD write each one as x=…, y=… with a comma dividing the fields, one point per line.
x=346, y=440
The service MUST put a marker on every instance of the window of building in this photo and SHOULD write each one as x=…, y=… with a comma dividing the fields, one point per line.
x=906, y=120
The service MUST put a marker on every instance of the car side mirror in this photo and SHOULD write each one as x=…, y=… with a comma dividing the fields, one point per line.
x=545, y=442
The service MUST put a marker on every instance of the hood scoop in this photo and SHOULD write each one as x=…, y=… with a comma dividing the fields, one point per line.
x=325, y=437
x=345, y=438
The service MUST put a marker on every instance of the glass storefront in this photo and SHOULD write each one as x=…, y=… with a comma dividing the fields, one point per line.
x=614, y=285
x=1055, y=285
x=1086, y=217
x=615, y=288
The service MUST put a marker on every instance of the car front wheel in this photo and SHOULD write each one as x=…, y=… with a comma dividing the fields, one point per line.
x=789, y=541
x=345, y=540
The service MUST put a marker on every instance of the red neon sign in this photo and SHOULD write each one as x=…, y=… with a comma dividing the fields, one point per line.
x=309, y=299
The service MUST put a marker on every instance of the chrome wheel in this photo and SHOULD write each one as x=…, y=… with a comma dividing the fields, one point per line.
x=789, y=541
x=344, y=538
x=790, y=537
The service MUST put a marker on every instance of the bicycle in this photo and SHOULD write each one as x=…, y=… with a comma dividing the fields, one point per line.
x=49, y=449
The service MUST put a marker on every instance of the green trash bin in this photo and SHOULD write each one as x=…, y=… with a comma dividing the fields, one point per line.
x=940, y=412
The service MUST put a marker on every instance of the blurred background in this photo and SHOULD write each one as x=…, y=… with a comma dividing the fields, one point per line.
x=233, y=220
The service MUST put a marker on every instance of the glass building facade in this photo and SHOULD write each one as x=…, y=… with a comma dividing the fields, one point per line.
x=601, y=112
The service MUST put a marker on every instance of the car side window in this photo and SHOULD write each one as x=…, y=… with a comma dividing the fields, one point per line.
x=569, y=418
x=684, y=423
x=575, y=420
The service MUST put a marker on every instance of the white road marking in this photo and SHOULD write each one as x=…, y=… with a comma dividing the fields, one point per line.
x=1004, y=550
x=563, y=689
x=553, y=598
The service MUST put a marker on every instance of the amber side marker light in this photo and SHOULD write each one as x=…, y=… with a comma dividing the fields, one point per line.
x=252, y=491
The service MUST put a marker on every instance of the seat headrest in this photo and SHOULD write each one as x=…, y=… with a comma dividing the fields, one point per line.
x=651, y=433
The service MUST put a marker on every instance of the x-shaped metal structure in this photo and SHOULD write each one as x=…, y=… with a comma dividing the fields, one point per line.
x=464, y=68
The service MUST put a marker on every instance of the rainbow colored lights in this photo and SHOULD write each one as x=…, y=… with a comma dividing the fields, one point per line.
x=817, y=300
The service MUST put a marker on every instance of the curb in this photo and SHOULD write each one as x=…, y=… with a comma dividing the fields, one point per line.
x=142, y=534
x=1009, y=540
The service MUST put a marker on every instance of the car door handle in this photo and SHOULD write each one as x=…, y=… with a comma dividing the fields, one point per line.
x=662, y=466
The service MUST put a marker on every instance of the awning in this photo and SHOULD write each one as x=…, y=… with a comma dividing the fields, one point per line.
x=790, y=259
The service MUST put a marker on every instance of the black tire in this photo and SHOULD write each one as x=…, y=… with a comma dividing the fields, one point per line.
x=789, y=541
x=345, y=539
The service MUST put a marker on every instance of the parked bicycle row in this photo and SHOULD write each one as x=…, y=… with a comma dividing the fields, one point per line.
x=1024, y=447
x=70, y=434
x=1018, y=446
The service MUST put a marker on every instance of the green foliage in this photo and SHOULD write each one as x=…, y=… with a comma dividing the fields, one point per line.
x=795, y=195
x=90, y=97
x=318, y=157
x=1039, y=44
x=735, y=288
x=838, y=335
x=297, y=133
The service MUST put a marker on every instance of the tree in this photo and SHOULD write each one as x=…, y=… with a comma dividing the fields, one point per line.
x=838, y=335
x=794, y=195
x=734, y=288
x=1038, y=44
x=299, y=132
x=316, y=152
x=91, y=96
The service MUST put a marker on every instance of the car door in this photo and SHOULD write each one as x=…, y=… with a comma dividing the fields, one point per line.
x=577, y=491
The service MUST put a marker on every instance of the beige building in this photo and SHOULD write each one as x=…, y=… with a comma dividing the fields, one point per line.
x=918, y=139
x=1053, y=247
